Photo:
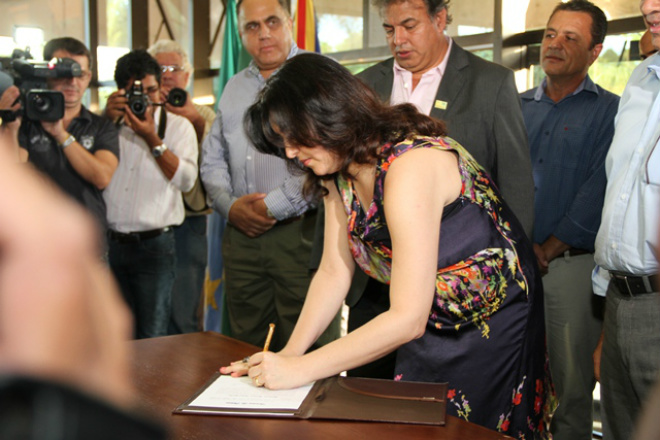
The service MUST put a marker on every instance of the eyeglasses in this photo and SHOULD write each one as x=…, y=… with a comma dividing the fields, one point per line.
x=172, y=68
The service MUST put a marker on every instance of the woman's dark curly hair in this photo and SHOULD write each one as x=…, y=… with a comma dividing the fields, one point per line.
x=314, y=101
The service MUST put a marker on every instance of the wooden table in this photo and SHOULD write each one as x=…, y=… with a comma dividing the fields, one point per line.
x=168, y=370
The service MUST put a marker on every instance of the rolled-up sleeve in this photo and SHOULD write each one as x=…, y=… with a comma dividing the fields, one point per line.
x=287, y=200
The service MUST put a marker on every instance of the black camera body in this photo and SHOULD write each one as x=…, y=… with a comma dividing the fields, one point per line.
x=138, y=101
x=38, y=103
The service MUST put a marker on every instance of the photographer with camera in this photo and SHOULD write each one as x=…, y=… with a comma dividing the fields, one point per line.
x=80, y=151
x=159, y=163
x=190, y=237
x=175, y=77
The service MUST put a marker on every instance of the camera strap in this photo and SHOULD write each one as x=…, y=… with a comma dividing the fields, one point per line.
x=162, y=123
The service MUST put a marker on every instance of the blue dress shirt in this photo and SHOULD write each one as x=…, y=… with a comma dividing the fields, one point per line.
x=231, y=167
x=569, y=140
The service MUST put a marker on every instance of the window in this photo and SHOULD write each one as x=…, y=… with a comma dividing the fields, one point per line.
x=114, y=37
x=470, y=17
x=612, y=68
x=340, y=25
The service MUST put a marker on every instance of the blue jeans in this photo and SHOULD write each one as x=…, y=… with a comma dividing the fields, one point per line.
x=145, y=272
x=191, y=250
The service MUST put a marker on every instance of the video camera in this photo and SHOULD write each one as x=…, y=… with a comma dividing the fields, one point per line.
x=38, y=103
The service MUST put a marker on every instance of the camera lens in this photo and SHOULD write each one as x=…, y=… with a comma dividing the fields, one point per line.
x=40, y=103
x=177, y=97
x=137, y=107
x=44, y=105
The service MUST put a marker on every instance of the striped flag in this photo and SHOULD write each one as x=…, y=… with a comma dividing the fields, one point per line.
x=234, y=58
x=304, y=29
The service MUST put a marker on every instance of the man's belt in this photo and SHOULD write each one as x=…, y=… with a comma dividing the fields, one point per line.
x=136, y=237
x=290, y=220
x=574, y=252
x=635, y=285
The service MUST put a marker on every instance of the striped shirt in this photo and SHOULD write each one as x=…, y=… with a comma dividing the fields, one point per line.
x=232, y=167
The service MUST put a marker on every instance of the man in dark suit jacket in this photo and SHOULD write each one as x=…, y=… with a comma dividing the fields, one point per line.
x=478, y=101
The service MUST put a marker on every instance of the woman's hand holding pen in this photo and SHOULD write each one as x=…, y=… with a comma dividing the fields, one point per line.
x=267, y=369
x=270, y=370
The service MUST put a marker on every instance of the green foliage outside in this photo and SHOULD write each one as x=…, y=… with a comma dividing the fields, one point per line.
x=117, y=15
x=333, y=27
x=610, y=73
x=612, y=68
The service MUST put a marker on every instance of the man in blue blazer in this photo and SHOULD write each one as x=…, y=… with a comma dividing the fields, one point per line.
x=477, y=100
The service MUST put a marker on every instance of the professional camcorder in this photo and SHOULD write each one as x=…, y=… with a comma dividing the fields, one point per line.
x=38, y=103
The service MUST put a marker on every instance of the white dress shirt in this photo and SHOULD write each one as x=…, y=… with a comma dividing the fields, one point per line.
x=629, y=231
x=140, y=197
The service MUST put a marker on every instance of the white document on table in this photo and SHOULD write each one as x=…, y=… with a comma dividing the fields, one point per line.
x=240, y=393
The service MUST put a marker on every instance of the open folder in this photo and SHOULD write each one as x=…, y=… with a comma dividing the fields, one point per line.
x=339, y=398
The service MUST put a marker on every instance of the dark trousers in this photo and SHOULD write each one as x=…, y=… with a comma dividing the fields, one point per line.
x=145, y=272
x=267, y=279
x=374, y=301
x=191, y=256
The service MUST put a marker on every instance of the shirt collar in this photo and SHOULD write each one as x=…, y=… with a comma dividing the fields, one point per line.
x=254, y=69
x=440, y=67
x=85, y=114
x=586, y=85
x=653, y=65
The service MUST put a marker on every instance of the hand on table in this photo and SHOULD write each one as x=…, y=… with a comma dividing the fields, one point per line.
x=270, y=370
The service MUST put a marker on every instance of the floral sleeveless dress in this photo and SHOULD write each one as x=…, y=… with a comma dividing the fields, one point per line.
x=485, y=333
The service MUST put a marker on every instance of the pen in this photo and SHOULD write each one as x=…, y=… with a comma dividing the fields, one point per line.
x=271, y=328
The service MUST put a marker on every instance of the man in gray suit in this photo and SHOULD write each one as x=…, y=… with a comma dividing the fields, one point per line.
x=478, y=101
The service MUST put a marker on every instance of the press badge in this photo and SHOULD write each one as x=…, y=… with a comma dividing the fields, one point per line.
x=87, y=141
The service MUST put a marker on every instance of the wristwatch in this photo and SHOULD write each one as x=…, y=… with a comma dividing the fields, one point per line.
x=159, y=150
x=68, y=141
